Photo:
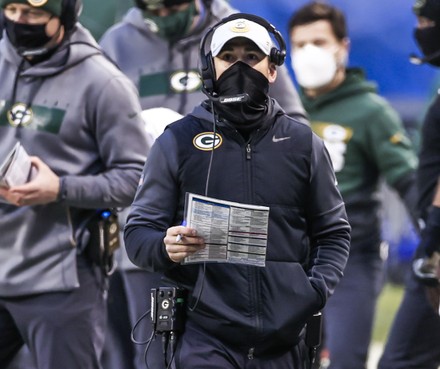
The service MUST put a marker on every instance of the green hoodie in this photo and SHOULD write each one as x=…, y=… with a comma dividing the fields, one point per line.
x=366, y=140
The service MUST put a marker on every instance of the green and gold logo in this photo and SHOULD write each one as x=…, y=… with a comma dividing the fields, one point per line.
x=20, y=115
x=181, y=81
x=207, y=141
x=40, y=118
x=37, y=3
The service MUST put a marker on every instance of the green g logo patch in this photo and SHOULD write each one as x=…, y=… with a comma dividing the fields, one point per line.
x=20, y=114
x=206, y=141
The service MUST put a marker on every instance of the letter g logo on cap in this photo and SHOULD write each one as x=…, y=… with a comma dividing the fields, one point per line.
x=37, y=3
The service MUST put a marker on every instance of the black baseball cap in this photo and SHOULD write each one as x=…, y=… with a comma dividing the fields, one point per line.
x=428, y=9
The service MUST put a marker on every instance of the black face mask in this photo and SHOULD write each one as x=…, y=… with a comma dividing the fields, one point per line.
x=428, y=40
x=27, y=37
x=238, y=79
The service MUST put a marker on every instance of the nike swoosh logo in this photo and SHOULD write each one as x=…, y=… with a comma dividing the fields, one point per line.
x=279, y=139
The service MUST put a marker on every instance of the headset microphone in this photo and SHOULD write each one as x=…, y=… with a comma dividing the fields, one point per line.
x=228, y=99
x=240, y=98
x=419, y=60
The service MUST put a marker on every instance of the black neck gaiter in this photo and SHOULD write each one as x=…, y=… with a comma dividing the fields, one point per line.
x=428, y=41
x=240, y=79
x=30, y=39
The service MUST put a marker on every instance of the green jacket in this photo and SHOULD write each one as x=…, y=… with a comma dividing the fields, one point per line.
x=366, y=141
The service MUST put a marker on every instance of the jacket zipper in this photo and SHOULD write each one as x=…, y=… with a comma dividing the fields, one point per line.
x=248, y=151
x=253, y=274
x=248, y=173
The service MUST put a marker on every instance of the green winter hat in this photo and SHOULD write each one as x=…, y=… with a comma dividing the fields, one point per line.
x=51, y=6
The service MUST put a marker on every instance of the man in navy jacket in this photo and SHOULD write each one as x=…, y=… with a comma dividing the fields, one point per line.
x=240, y=146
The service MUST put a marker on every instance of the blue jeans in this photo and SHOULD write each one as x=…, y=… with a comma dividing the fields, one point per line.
x=349, y=313
x=414, y=339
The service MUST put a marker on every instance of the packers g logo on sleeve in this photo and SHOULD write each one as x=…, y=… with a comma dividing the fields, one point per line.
x=20, y=114
x=206, y=141
x=182, y=81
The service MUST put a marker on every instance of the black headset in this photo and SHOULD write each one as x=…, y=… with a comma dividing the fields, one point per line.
x=207, y=70
x=70, y=12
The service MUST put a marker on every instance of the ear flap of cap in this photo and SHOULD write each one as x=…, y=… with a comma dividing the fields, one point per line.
x=71, y=10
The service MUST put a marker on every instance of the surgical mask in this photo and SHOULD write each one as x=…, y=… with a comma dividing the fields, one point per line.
x=314, y=66
x=174, y=26
x=26, y=37
x=428, y=41
x=240, y=79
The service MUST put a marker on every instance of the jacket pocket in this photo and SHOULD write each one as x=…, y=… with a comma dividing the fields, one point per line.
x=288, y=298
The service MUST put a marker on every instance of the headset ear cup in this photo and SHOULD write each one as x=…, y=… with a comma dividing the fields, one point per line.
x=274, y=56
x=277, y=56
x=280, y=54
x=208, y=73
x=207, y=70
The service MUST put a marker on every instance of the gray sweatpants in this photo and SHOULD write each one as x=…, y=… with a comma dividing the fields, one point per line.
x=61, y=329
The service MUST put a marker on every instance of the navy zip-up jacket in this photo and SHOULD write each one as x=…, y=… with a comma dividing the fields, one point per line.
x=284, y=166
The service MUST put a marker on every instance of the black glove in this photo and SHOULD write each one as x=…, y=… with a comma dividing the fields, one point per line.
x=427, y=269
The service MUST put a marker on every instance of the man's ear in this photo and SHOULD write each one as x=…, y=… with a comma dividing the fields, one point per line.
x=344, y=52
x=53, y=27
x=347, y=43
x=272, y=76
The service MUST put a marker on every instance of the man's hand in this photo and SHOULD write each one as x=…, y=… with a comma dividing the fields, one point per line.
x=181, y=242
x=427, y=271
x=42, y=189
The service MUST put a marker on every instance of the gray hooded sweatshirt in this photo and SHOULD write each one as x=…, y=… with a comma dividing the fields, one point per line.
x=167, y=74
x=81, y=116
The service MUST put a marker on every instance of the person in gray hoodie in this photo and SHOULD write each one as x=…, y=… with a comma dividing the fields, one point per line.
x=157, y=46
x=78, y=117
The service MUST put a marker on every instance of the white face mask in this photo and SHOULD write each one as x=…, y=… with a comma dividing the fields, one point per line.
x=314, y=66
